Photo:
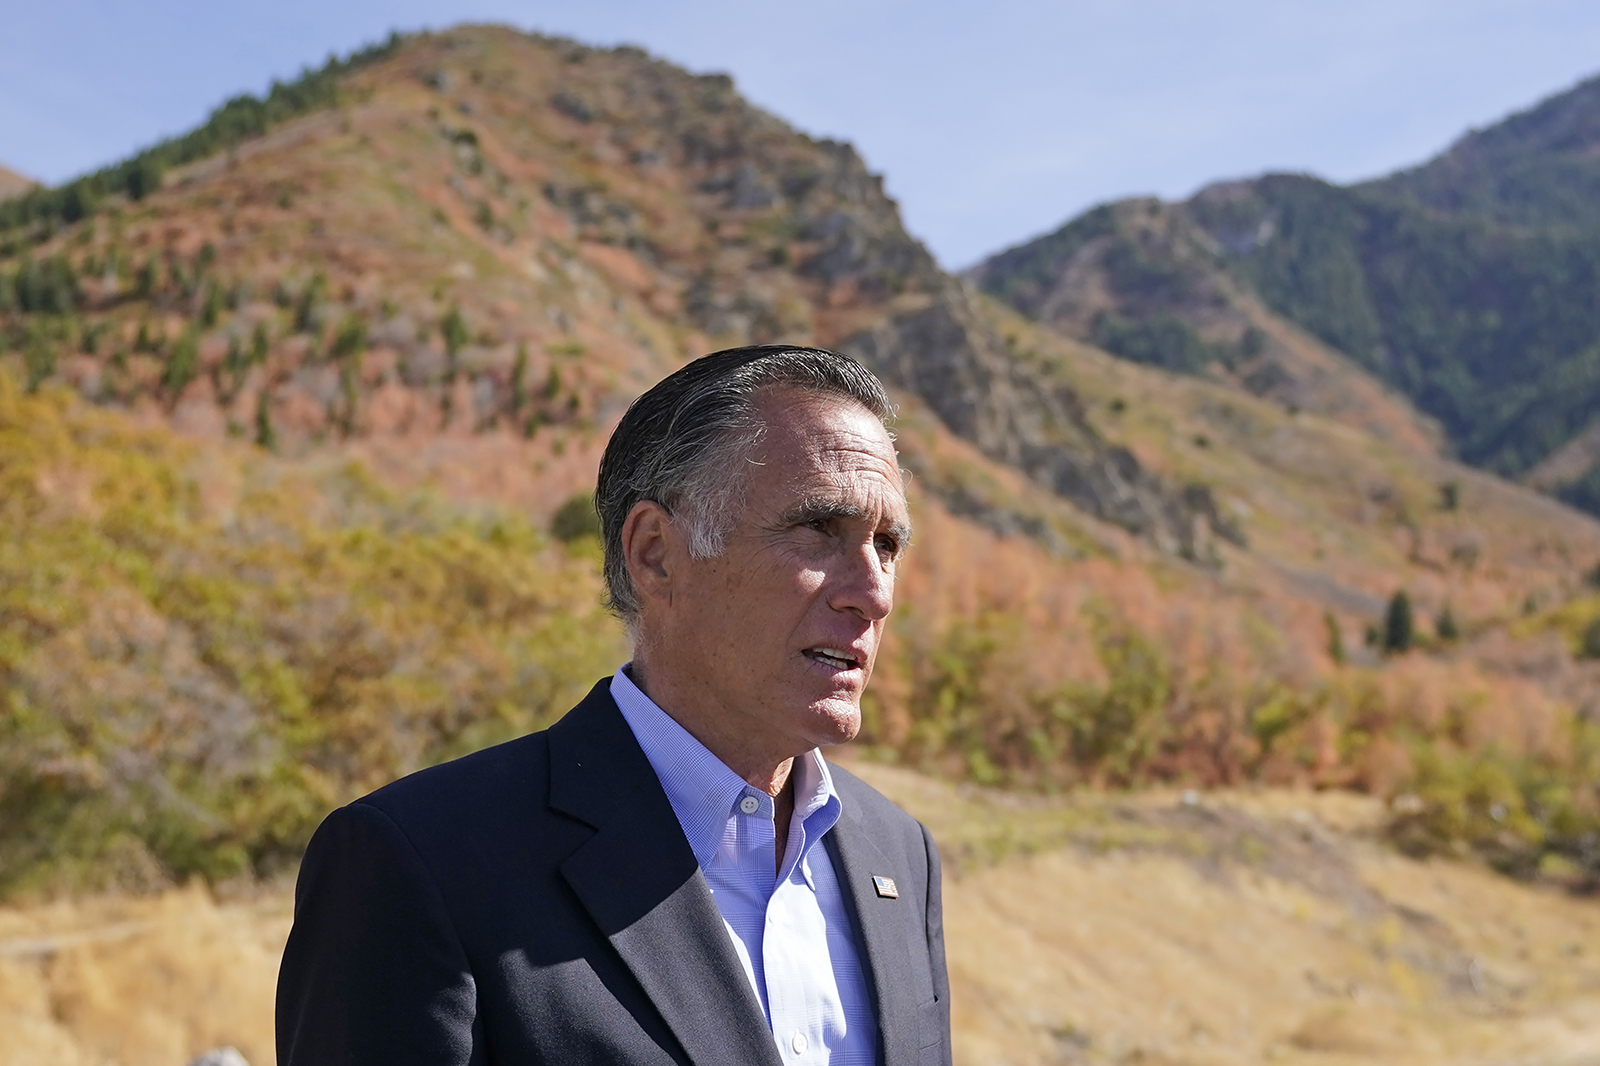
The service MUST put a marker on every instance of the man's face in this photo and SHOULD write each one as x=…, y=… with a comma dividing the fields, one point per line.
x=778, y=634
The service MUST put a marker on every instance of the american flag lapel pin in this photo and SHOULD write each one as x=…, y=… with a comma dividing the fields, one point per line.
x=885, y=886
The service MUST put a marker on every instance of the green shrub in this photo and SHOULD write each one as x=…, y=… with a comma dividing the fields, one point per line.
x=310, y=300
x=187, y=693
x=576, y=518
x=973, y=710
x=1450, y=496
x=350, y=339
x=1591, y=640
x=453, y=331
x=1514, y=812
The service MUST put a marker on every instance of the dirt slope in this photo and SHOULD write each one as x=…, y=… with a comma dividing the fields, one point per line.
x=13, y=184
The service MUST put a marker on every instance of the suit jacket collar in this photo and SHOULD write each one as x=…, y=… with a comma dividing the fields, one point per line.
x=639, y=881
x=880, y=930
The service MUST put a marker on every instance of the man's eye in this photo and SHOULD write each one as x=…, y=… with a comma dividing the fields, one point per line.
x=888, y=546
x=819, y=524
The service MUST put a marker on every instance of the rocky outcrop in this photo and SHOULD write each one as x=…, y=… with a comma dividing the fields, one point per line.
x=805, y=244
x=966, y=374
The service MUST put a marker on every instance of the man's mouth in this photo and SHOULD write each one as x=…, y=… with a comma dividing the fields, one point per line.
x=834, y=657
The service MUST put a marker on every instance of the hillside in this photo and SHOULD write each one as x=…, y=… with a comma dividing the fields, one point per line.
x=13, y=184
x=488, y=230
x=1142, y=280
x=1464, y=285
x=290, y=402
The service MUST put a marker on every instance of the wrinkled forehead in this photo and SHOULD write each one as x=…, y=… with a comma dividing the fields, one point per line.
x=809, y=432
x=822, y=457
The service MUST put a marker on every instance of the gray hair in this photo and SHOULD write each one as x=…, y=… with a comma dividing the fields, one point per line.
x=681, y=445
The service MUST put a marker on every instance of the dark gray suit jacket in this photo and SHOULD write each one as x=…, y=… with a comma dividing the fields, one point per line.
x=537, y=902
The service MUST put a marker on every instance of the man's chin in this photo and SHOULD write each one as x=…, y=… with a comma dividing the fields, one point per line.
x=834, y=721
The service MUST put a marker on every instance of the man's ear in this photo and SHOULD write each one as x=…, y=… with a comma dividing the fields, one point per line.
x=650, y=546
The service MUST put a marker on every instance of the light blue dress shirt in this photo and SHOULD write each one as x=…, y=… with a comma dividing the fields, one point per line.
x=788, y=924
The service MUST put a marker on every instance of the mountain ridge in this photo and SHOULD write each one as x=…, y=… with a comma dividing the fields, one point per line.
x=1462, y=285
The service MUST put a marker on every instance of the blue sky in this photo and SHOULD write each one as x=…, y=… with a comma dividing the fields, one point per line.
x=993, y=122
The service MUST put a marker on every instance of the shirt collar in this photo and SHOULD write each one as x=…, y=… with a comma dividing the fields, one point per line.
x=702, y=790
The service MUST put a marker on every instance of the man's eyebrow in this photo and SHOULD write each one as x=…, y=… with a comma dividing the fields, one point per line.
x=821, y=509
x=811, y=508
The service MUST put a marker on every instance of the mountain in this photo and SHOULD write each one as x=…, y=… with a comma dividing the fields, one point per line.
x=1143, y=280
x=299, y=410
x=1464, y=285
x=530, y=176
x=13, y=184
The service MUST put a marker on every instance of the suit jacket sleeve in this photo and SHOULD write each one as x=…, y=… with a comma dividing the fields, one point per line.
x=374, y=971
x=935, y=927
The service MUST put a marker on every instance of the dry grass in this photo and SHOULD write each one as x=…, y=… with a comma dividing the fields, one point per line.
x=1245, y=928
x=139, y=981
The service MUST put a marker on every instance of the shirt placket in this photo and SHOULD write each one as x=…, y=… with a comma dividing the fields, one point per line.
x=794, y=946
x=746, y=866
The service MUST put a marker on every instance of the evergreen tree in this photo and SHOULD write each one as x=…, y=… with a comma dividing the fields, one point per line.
x=144, y=177
x=212, y=307
x=349, y=395
x=146, y=279
x=519, y=380
x=453, y=328
x=1591, y=640
x=350, y=339
x=259, y=345
x=39, y=361
x=235, y=366
x=1335, y=637
x=183, y=363
x=1450, y=496
x=305, y=311
x=1444, y=627
x=48, y=286
x=1397, y=624
x=266, y=436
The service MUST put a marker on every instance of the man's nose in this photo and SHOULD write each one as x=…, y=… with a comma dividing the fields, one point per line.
x=865, y=585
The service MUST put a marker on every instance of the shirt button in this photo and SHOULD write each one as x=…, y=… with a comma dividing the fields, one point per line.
x=799, y=1043
x=749, y=805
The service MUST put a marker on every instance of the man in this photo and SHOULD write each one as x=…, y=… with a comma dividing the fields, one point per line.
x=671, y=873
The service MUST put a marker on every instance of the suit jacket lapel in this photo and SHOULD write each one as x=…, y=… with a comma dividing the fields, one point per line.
x=639, y=881
x=881, y=928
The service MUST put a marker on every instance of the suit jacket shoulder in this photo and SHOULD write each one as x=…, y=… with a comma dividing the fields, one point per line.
x=885, y=818
x=535, y=902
